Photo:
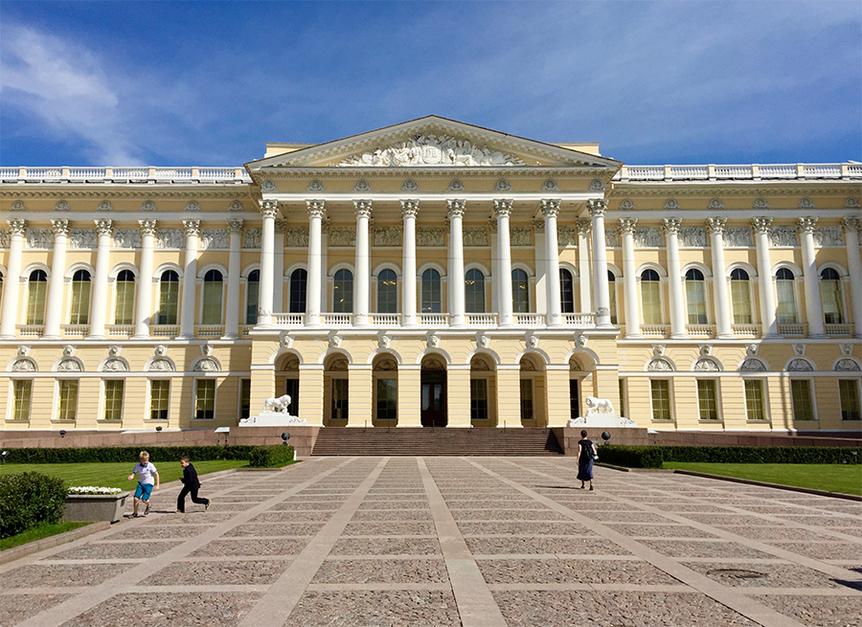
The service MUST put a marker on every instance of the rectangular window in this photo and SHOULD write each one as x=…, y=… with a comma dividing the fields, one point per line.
x=803, y=404
x=622, y=388
x=114, y=400
x=695, y=298
x=80, y=313
x=612, y=301
x=754, y=407
x=68, y=405
x=169, y=298
x=740, y=293
x=38, y=292
x=159, y=399
x=339, y=399
x=527, y=399
x=651, y=297
x=660, y=398
x=478, y=399
x=124, y=312
x=707, y=400
x=244, y=398
x=205, y=399
x=849, y=392
x=22, y=392
x=212, y=300
x=387, y=399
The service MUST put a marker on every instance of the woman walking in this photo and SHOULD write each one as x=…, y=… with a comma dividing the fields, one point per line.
x=587, y=453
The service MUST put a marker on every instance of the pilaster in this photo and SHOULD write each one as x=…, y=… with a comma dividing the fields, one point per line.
x=360, y=391
x=508, y=396
x=311, y=393
x=458, y=395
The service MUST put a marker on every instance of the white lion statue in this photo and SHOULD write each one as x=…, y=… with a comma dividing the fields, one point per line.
x=277, y=405
x=598, y=406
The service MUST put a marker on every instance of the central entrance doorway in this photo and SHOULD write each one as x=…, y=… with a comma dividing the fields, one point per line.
x=433, y=381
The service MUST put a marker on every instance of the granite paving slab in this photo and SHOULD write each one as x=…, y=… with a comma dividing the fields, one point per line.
x=417, y=515
x=115, y=550
x=683, y=548
x=382, y=571
x=245, y=572
x=776, y=533
x=660, y=531
x=274, y=530
x=425, y=608
x=543, y=544
x=823, y=550
x=764, y=575
x=531, y=528
x=570, y=570
x=818, y=611
x=152, y=532
x=365, y=528
x=17, y=607
x=292, y=516
x=386, y=546
x=61, y=575
x=272, y=546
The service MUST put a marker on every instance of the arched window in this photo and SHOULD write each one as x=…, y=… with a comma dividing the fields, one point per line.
x=37, y=292
x=212, y=297
x=740, y=295
x=252, y=296
x=830, y=296
x=431, y=291
x=651, y=297
x=567, y=291
x=785, y=291
x=342, y=292
x=520, y=291
x=298, y=286
x=169, y=297
x=612, y=296
x=695, y=296
x=387, y=291
x=474, y=291
x=80, y=310
x=124, y=306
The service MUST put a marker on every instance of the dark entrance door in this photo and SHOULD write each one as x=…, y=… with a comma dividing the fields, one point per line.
x=434, y=398
x=291, y=388
x=574, y=399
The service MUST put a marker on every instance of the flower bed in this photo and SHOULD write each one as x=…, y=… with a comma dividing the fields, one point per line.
x=91, y=503
x=91, y=489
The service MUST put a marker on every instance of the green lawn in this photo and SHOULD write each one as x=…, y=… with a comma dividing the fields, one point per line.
x=37, y=533
x=844, y=478
x=114, y=475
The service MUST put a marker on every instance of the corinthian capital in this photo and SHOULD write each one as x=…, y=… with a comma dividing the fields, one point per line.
x=148, y=227
x=104, y=227
x=671, y=225
x=806, y=223
x=18, y=227
x=851, y=223
x=627, y=225
x=192, y=227
x=234, y=225
x=585, y=225
x=60, y=227
x=316, y=208
x=716, y=225
x=269, y=208
x=456, y=207
x=409, y=208
x=550, y=207
x=503, y=208
x=761, y=224
x=597, y=207
x=362, y=208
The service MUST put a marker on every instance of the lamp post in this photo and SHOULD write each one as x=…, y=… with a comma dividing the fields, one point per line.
x=285, y=437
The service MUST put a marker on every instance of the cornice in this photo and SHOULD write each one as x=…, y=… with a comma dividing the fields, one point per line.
x=137, y=194
x=415, y=172
x=676, y=190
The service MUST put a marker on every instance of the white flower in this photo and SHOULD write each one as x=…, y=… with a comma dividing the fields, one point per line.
x=91, y=489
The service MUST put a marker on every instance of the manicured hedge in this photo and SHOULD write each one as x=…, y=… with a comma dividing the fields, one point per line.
x=653, y=456
x=29, y=499
x=270, y=456
x=124, y=454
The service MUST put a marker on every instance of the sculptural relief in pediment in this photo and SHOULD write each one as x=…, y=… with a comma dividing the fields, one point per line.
x=432, y=150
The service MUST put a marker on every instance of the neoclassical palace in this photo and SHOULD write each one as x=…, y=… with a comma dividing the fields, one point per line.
x=432, y=273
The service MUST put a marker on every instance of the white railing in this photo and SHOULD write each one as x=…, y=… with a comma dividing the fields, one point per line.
x=75, y=330
x=793, y=330
x=579, y=319
x=31, y=330
x=655, y=330
x=9, y=173
x=124, y=174
x=245, y=330
x=482, y=319
x=689, y=171
x=120, y=330
x=289, y=319
x=839, y=330
x=778, y=171
x=209, y=330
x=83, y=174
x=134, y=174
x=745, y=330
x=530, y=319
x=700, y=330
x=384, y=319
x=165, y=330
x=739, y=172
x=336, y=319
x=434, y=319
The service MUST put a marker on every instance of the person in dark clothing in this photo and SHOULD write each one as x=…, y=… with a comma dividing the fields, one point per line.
x=190, y=484
x=587, y=454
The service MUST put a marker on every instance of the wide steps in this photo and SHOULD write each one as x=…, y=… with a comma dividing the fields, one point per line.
x=343, y=441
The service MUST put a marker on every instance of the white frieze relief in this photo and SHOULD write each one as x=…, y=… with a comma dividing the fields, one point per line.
x=738, y=237
x=115, y=364
x=828, y=236
x=799, y=364
x=342, y=236
x=5, y=238
x=783, y=236
x=431, y=236
x=215, y=239
x=692, y=237
x=82, y=238
x=612, y=238
x=846, y=365
x=170, y=239
x=69, y=364
x=475, y=236
x=23, y=364
x=40, y=239
x=127, y=238
x=296, y=237
x=648, y=237
x=567, y=236
x=387, y=236
x=521, y=235
x=251, y=239
x=432, y=150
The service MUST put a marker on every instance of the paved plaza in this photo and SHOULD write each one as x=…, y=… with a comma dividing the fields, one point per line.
x=448, y=541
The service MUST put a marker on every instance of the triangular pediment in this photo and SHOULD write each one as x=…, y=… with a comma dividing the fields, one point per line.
x=432, y=142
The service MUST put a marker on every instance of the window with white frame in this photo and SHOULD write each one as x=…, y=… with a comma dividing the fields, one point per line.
x=169, y=297
x=342, y=291
x=567, y=291
x=520, y=291
x=831, y=297
x=213, y=295
x=37, y=294
x=124, y=298
x=114, y=399
x=651, y=297
x=785, y=293
x=740, y=296
x=22, y=393
x=802, y=399
x=474, y=291
x=432, y=299
x=205, y=390
x=80, y=304
x=387, y=291
x=67, y=401
x=755, y=402
x=707, y=399
x=660, y=399
x=160, y=390
x=298, y=286
x=848, y=391
x=695, y=296
x=612, y=296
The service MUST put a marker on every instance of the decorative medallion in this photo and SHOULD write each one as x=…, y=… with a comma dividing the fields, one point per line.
x=458, y=186
x=61, y=205
x=268, y=186
x=550, y=186
x=148, y=205
x=192, y=205
x=409, y=186
x=315, y=186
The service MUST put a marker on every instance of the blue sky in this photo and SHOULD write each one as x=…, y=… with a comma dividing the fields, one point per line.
x=208, y=83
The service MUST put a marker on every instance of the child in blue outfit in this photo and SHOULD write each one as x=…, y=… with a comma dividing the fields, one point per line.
x=148, y=480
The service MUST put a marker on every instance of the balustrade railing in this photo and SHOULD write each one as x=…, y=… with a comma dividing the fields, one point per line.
x=793, y=330
x=434, y=319
x=655, y=330
x=75, y=330
x=31, y=330
x=336, y=319
x=384, y=319
x=579, y=319
x=165, y=330
x=120, y=330
x=124, y=174
x=530, y=319
x=481, y=319
x=700, y=330
x=745, y=330
x=245, y=330
x=740, y=172
x=839, y=330
x=209, y=330
x=289, y=319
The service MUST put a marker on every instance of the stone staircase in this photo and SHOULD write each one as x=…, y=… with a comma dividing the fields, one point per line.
x=342, y=441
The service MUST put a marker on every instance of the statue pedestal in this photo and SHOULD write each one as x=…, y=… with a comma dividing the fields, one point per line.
x=272, y=419
x=601, y=421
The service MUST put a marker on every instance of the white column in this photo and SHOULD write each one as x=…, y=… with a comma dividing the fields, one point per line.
x=99, y=307
x=495, y=263
x=812, y=281
x=677, y=300
x=8, y=317
x=854, y=267
x=719, y=278
x=362, y=280
x=145, y=280
x=597, y=209
x=55, y=289
x=502, y=210
x=409, y=280
x=764, y=270
x=550, y=208
x=456, y=262
x=630, y=280
x=540, y=258
x=325, y=286
x=192, y=230
x=278, y=269
x=234, y=269
x=268, y=211
x=585, y=284
x=316, y=209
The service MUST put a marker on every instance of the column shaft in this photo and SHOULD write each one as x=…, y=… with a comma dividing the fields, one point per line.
x=719, y=278
x=192, y=230
x=361, y=281
x=9, y=315
x=145, y=280
x=503, y=282
x=99, y=307
x=409, y=280
x=677, y=300
x=232, y=311
x=630, y=280
x=812, y=281
x=600, y=263
x=585, y=285
x=764, y=269
x=550, y=208
x=456, y=263
x=268, y=211
x=854, y=267
x=313, y=289
x=58, y=270
x=278, y=269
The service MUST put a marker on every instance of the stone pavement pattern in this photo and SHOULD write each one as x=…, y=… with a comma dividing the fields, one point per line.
x=447, y=541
